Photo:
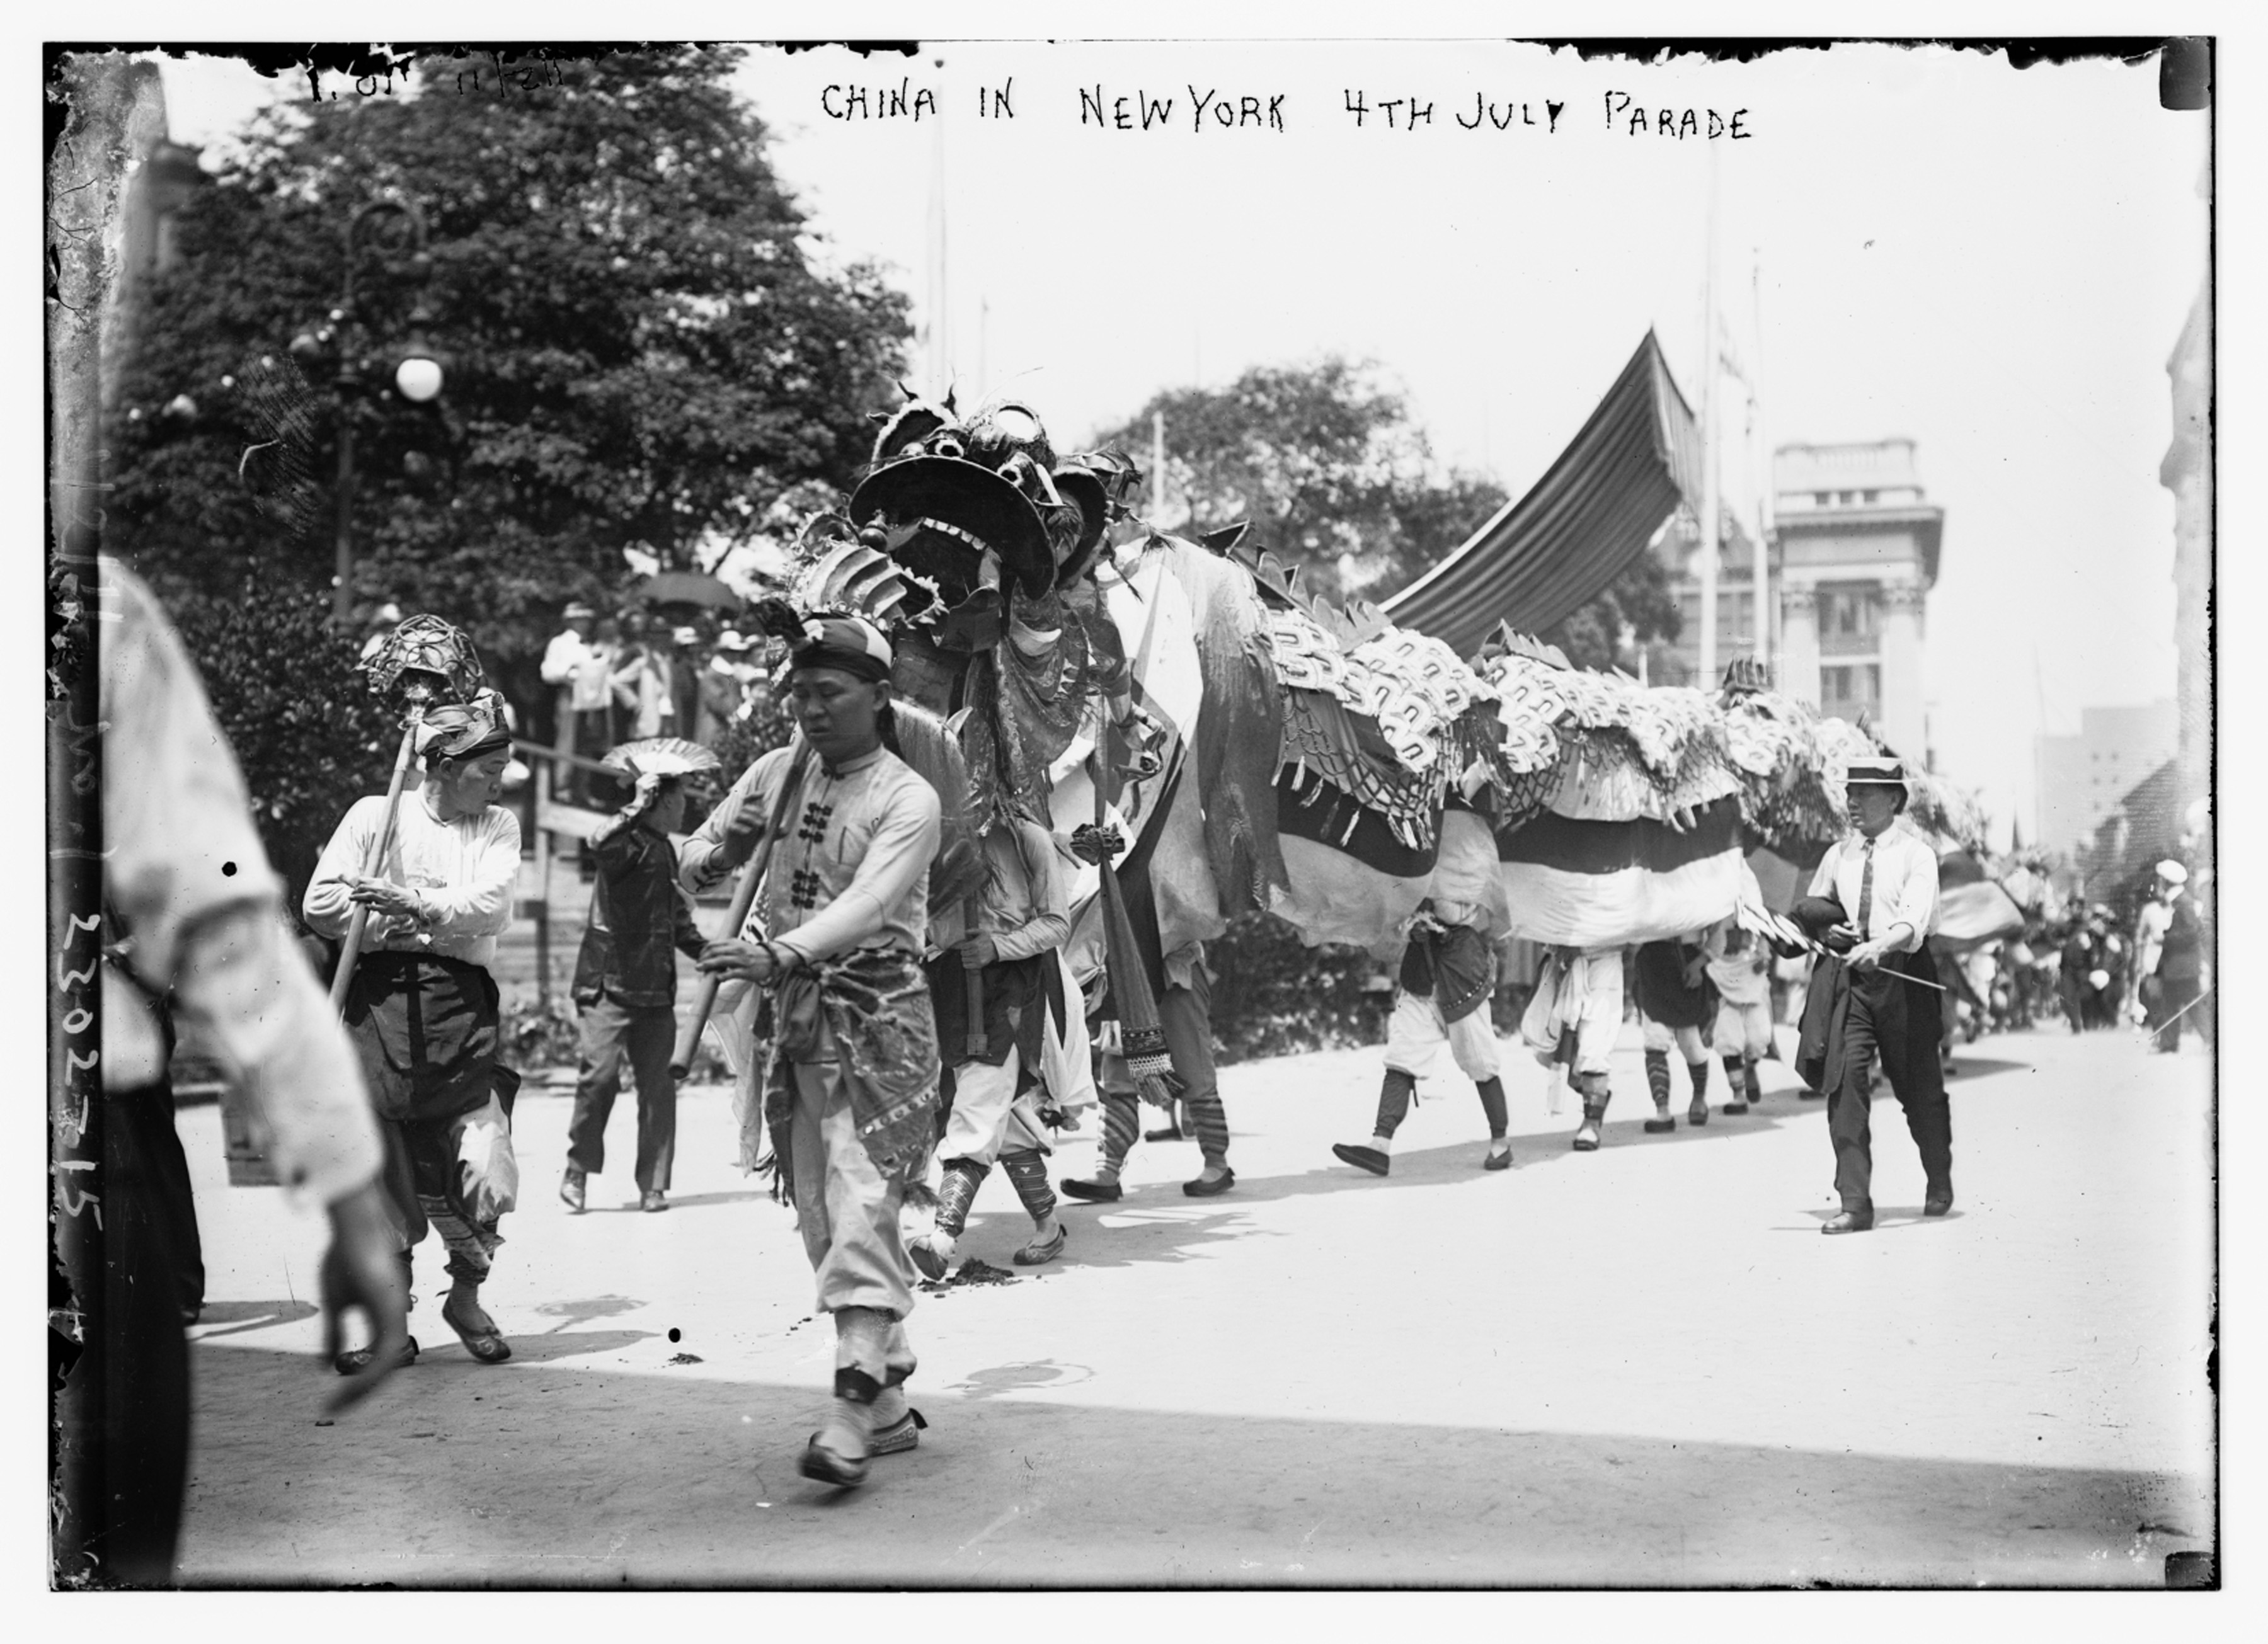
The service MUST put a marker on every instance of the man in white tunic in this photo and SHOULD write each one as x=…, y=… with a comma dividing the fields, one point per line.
x=836, y=935
x=421, y=1006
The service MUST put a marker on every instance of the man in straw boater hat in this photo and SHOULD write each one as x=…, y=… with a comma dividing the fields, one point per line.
x=625, y=983
x=421, y=1005
x=836, y=934
x=1874, y=905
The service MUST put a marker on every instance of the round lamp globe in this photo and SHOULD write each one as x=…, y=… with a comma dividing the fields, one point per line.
x=418, y=379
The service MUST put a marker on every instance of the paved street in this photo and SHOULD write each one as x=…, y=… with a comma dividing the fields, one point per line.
x=1639, y=1367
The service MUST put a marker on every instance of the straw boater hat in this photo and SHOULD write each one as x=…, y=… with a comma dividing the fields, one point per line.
x=576, y=608
x=2172, y=872
x=1877, y=773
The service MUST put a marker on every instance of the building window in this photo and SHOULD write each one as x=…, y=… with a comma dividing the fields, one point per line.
x=1850, y=616
x=1848, y=689
x=1868, y=496
x=1822, y=497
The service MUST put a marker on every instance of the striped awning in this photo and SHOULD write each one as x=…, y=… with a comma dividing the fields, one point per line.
x=1579, y=527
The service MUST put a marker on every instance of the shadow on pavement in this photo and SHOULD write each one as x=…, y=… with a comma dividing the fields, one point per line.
x=1968, y=1068
x=525, y=1475
x=233, y=1318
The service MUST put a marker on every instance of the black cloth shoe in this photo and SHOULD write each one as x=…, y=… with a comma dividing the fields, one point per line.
x=1498, y=1161
x=829, y=1467
x=1204, y=1189
x=1661, y=1124
x=1093, y=1192
x=1735, y=1108
x=1938, y=1204
x=356, y=1360
x=1849, y=1222
x=1362, y=1158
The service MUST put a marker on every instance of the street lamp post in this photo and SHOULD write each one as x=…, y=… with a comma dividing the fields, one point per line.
x=395, y=231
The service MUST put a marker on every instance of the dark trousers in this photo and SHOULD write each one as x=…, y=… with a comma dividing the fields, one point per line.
x=2173, y=995
x=1896, y=1026
x=644, y=1034
x=134, y=1362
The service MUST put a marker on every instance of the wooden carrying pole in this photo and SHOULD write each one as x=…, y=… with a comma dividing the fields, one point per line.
x=972, y=915
x=744, y=899
x=376, y=858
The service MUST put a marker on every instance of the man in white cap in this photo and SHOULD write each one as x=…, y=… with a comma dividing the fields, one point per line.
x=721, y=689
x=1874, y=903
x=2169, y=961
x=850, y=1093
x=579, y=668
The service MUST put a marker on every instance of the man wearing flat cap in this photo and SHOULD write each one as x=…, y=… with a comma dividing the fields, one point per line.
x=836, y=937
x=1874, y=903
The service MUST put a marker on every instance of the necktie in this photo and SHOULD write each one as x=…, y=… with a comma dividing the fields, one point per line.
x=1866, y=890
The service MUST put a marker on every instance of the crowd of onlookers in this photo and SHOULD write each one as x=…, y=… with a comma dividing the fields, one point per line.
x=633, y=675
x=636, y=674
x=2092, y=969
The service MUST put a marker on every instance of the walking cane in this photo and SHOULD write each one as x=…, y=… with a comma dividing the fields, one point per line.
x=744, y=898
x=375, y=857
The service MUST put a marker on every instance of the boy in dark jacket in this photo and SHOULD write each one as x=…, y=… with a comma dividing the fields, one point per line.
x=626, y=987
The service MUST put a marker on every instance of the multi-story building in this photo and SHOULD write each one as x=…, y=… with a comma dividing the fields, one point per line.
x=1853, y=556
x=2084, y=779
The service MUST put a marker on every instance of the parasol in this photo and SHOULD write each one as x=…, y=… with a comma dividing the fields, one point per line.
x=689, y=587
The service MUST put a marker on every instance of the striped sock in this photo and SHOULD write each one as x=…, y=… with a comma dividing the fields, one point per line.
x=1211, y=1120
x=1122, y=1122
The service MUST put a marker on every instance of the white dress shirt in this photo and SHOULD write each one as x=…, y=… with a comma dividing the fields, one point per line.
x=1904, y=890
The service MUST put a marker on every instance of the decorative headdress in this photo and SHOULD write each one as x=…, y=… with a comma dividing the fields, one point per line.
x=427, y=660
x=459, y=730
x=662, y=756
x=829, y=640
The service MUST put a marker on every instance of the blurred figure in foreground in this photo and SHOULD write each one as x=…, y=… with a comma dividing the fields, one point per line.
x=195, y=919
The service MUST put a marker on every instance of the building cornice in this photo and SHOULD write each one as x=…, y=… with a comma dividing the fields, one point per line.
x=1926, y=520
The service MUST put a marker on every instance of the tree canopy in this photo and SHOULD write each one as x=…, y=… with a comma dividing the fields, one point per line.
x=1327, y=464
x=640, y=351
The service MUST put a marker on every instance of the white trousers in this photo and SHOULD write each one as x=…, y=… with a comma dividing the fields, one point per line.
x=1743, y=1029
x=1415, y=1034
x=989, y=1118
x=1686, y=1041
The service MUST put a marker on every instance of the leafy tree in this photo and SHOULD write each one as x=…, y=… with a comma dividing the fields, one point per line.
x=308, y=734
x=1639, y=604
x=639, y=352
x=1325, y=462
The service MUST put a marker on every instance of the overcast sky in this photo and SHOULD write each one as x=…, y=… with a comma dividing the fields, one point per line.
x=1993, y=262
